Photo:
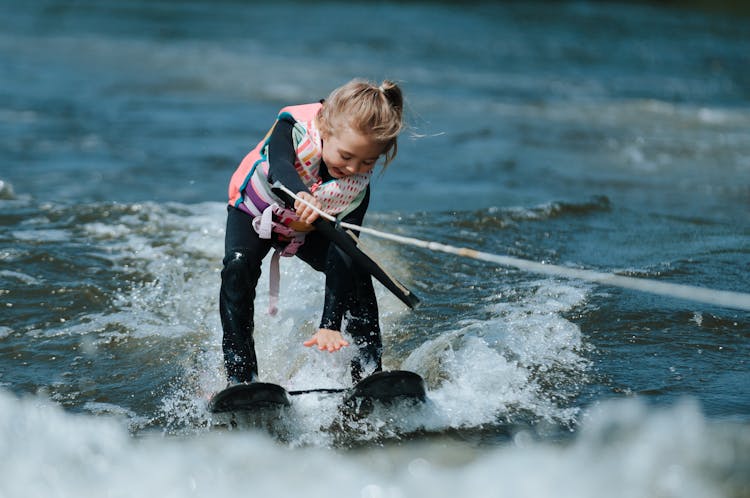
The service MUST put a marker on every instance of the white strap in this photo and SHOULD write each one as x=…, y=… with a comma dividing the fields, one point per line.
x=273, y=284
x=263, y=224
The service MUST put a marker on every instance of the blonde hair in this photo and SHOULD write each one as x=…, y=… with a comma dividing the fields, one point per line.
x=375, y=111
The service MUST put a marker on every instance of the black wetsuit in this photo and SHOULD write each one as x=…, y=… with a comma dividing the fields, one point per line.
x=348, y=294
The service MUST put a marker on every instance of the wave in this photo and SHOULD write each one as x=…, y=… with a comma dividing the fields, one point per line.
x=139, y=282
x=498, y=218
x=623, y=449
x=6, y=191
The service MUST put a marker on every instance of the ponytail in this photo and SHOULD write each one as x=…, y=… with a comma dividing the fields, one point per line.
x=392, y=94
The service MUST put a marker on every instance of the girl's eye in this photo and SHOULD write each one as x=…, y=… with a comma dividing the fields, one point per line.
x=344, y=157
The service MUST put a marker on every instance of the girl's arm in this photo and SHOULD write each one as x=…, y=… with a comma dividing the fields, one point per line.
x=339, y=290
x=281, y=157
x=338, y=268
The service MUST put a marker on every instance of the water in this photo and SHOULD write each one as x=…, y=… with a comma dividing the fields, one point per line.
x=606, y=137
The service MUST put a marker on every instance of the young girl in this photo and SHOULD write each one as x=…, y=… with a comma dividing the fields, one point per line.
x=325, y=152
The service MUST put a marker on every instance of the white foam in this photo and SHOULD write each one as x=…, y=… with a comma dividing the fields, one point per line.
x=624, y=450
x=178, y=246
x=5, y=331
x=6, y=190
x=20, y=276
x=490, y=368
x=48, y=235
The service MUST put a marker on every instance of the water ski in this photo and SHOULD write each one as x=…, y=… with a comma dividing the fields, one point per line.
x=386, y=388
x=249, y=397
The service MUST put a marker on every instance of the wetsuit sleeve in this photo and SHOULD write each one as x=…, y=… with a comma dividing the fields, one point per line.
x=339, y=271
x=281, y=157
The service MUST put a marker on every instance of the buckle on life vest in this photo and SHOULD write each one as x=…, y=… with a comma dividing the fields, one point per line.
x=283, y=222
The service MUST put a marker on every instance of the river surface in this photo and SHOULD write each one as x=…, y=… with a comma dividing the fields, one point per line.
x=599, y=136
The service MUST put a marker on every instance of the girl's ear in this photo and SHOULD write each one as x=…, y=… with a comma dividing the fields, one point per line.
x=321, y=128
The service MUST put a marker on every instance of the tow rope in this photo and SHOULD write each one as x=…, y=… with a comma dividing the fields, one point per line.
x=722, y=298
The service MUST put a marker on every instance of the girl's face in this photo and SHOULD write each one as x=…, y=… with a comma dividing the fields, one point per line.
x=348, y=152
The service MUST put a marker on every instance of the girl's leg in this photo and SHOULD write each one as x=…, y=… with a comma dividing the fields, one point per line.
x=244, y=251
x=363, y=325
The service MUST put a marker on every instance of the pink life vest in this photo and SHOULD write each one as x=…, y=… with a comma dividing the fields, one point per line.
x=250, y=190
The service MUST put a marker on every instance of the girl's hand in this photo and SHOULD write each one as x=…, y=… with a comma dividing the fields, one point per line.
x=306, y=213
x=327, y=339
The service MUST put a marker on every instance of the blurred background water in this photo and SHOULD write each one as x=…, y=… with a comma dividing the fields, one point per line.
x=598, y=135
